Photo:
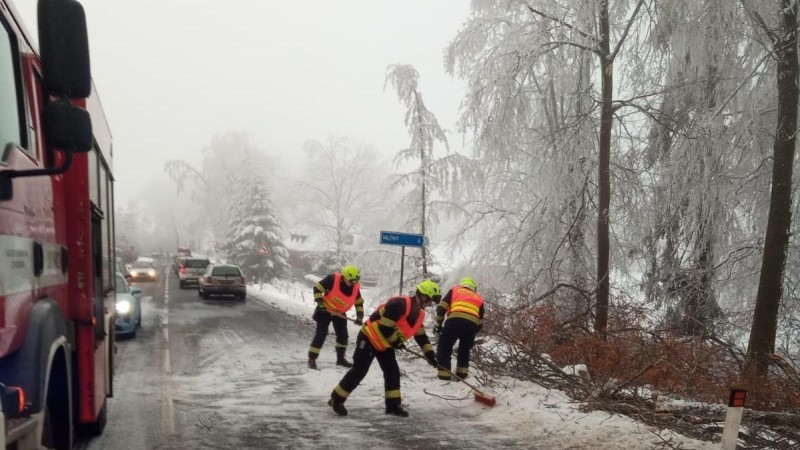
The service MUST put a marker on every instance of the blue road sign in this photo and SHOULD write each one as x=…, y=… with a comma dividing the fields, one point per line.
x=404, y=239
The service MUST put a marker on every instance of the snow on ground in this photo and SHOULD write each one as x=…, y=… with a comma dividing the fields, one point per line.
x=523, y=408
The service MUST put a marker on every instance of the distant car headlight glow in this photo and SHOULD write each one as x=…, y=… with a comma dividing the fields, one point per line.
x=152, y=273
x=123, y=307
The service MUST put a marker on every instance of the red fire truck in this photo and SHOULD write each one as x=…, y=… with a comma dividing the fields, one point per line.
x=56, y=233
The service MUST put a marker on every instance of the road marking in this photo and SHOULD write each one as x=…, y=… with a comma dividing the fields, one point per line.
x=167, y=406
x=165, y=327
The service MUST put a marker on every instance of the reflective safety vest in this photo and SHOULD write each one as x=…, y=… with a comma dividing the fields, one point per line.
x=465, y=301
x=335, y=300
x=377, y=339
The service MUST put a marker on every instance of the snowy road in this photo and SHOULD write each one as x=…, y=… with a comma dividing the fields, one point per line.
x=227, y=374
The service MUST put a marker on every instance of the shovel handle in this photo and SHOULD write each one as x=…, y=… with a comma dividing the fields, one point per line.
x=446, y=370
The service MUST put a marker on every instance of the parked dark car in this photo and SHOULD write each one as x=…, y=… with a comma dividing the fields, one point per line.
x=191, y=270
x=222, y=279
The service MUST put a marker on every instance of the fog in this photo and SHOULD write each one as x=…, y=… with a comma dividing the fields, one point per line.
x=172, y=74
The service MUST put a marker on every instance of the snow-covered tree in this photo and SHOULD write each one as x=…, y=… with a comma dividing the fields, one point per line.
x=340, y=190
x=209, y=183
x=253, y=225
x=425, y=131
x=533, y=70
x=778, y=20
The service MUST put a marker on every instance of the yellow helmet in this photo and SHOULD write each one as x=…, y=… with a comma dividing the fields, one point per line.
x=468, y=282
x=351, y=273
x=429, y=288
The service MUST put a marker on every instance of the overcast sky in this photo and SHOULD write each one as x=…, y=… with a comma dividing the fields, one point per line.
x=172, y=73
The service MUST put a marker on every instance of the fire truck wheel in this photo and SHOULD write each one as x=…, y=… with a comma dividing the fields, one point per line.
x=57, y=426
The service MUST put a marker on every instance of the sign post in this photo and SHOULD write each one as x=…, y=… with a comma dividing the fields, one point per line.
x=403, y=240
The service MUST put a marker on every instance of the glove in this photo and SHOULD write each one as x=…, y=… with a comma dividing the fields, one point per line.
x=358, y=322
x=401, y=342
x=431, y=357
x=437, y=329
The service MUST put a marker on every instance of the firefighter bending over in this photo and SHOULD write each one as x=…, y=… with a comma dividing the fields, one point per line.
x=386, y=330
x=335, y=295
x=464, y=309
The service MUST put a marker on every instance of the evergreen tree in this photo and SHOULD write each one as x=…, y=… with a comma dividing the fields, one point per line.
x=253, y=223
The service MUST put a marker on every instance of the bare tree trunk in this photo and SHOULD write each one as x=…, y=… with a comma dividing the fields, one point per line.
x=603, y=176
x=765, y=317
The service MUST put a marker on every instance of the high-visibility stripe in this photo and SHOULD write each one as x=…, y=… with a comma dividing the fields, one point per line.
x=16, y=266
x=338, y=389
x=392, y=393
x=465, y=308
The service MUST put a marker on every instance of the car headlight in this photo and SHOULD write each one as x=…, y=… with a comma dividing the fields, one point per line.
x=123, y=307
x=152, y=273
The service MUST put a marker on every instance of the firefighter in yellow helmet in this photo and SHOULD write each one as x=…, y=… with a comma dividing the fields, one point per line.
x=392, y=323
x=335, y=295
x=464, y=309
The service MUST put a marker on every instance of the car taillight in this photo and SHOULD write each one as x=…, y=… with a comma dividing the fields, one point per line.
x=183, y=269
x=241, y=280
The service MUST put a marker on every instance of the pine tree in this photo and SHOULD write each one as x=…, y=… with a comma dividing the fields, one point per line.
x=252, y=224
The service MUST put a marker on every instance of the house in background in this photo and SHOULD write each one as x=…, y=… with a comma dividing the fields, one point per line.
x=307, y=254
x=311, y=254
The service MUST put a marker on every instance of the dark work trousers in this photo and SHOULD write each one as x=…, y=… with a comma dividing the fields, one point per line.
x=362, y=359
x=463, y=331
x=323, y=319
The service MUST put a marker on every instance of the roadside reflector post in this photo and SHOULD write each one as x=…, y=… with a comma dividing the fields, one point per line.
x=733, y=418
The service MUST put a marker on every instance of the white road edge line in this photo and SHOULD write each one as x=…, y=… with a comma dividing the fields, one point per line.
x=168, y=410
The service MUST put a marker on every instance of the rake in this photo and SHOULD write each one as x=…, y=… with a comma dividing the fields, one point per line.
x=480, y=396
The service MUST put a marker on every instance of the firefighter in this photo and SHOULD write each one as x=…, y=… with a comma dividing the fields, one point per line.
x=464, y=309
x=335, y=295
x=385, y=331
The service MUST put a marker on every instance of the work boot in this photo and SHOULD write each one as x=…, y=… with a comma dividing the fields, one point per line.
x=312, y=363
x=338, y=406
x=340, y=359
x=398, y=411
